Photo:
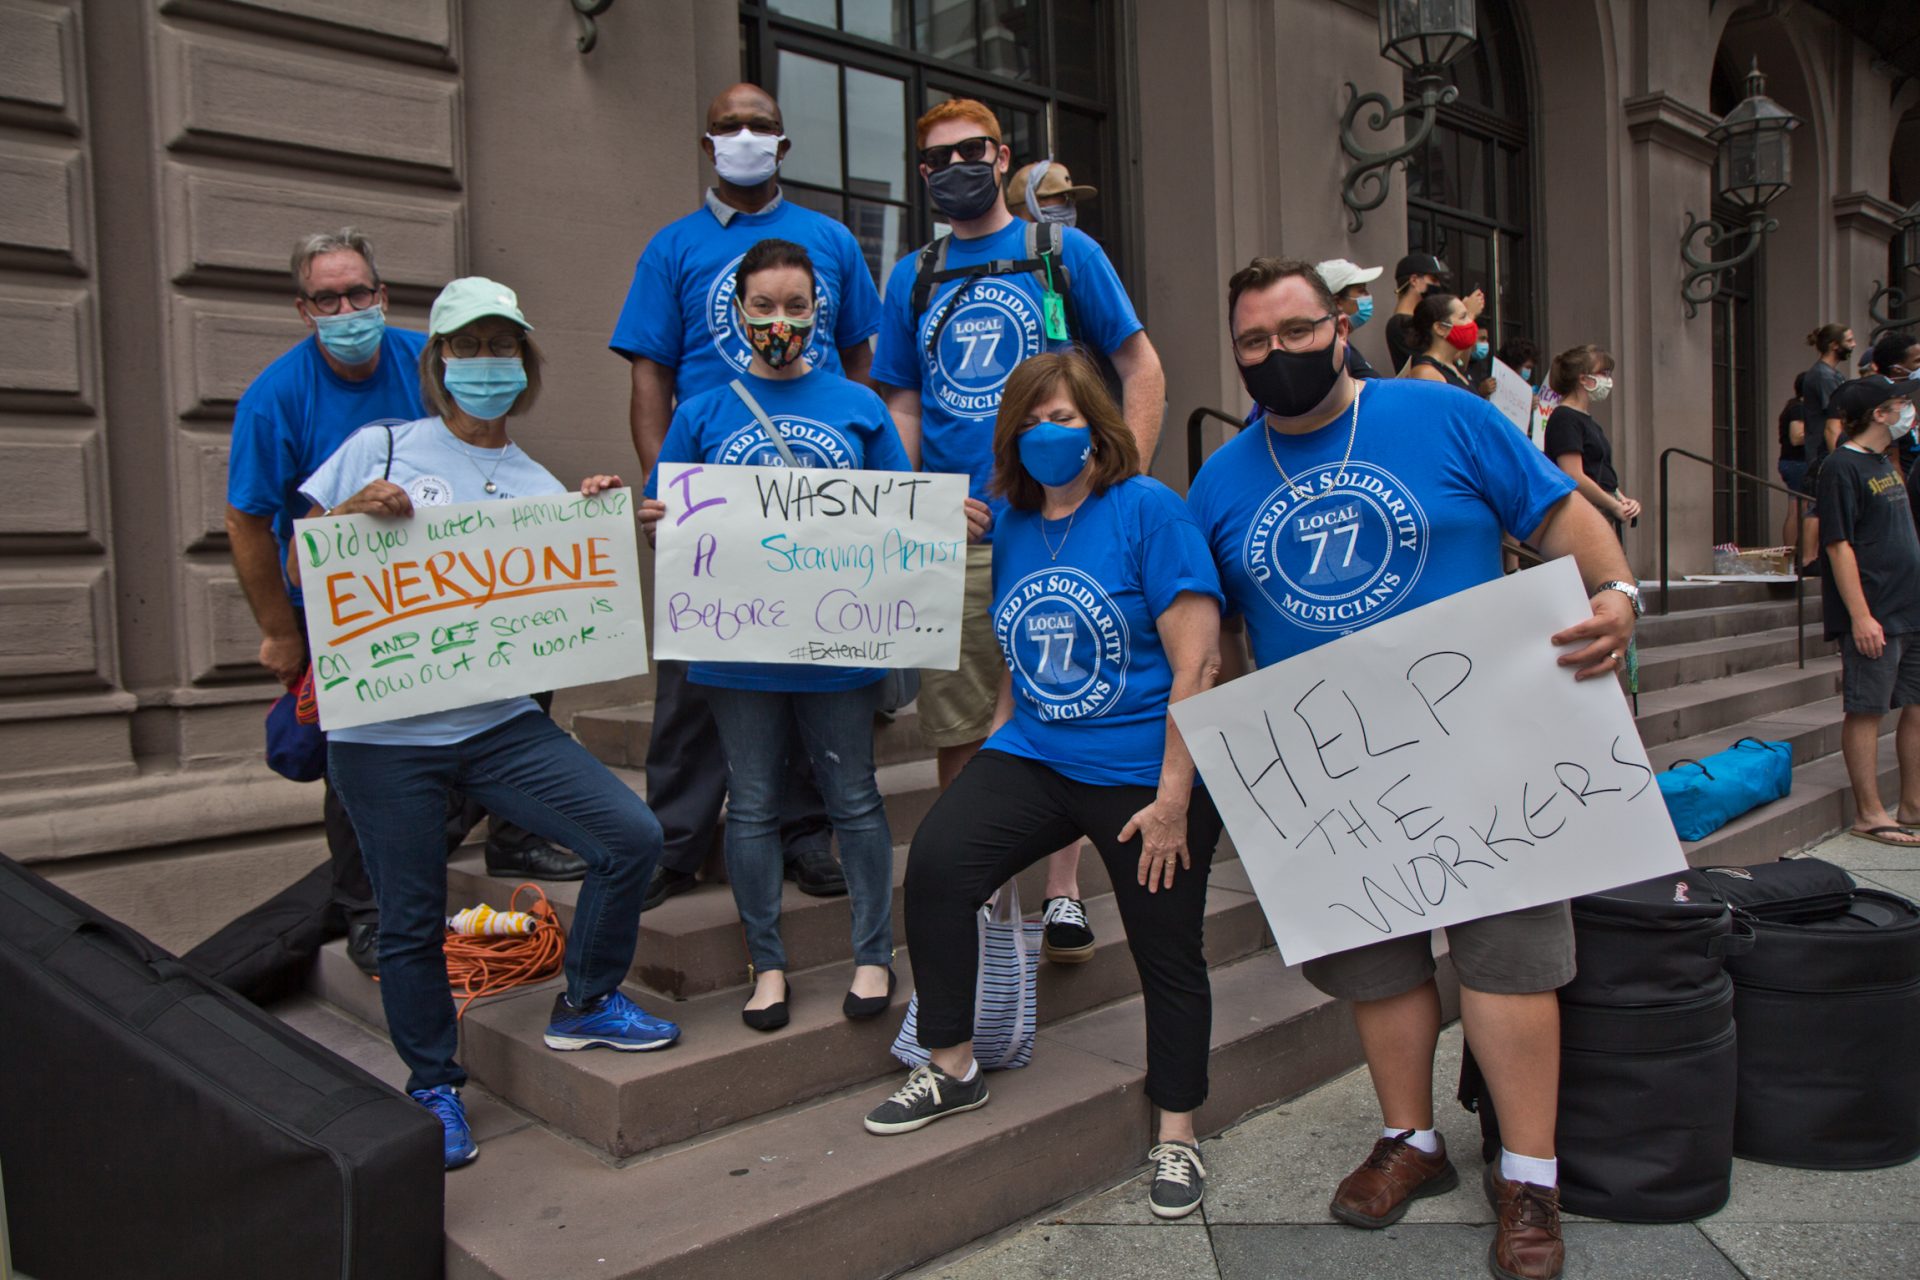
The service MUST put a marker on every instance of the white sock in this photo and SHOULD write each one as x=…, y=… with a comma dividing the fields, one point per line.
x=1420, y=1139
x=1541, y=1173
x=973, y=1069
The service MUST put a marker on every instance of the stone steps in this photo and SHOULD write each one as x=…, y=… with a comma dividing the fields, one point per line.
x=1668, y=666
x=1690, y=710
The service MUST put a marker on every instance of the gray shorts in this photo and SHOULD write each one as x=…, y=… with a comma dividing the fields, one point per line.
x=1515, y=953
x=1870, y=686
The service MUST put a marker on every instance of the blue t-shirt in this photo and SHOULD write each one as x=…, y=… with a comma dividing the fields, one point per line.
x=1078, y=632
x=296, y=413
x=1437, y=474
x=436, y=469
x=996, y=324
x=827, y=422
x=679, y=310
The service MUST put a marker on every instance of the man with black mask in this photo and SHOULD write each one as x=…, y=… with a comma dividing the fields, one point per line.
x=958, y=316
x=1349, y=503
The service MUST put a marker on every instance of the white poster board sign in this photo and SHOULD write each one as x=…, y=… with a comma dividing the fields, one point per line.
x=797, y=564
x=1434, y=768
x=1512, y=395
x=466, y=603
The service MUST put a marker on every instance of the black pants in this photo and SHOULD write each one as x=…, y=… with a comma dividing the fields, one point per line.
x=687, y=777
x=1005, y=813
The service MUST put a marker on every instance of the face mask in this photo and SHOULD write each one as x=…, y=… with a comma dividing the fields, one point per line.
x=1054, y=453
x=1903, y=424
x=1480, y=349
x=1066, y=215
x=1527, y=373
x=1291, y=384
x=1463, y=336
x=963, y=191
x=1364, y=314
x=1602, y=387
x=485, y=387
x=746, y=159
x=778, y=340
x=352, y=336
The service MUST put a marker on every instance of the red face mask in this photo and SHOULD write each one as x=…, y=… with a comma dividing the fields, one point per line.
x=1462, y=336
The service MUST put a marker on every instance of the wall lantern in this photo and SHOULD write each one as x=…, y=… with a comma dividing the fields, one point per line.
x=1422, y=36
x=1754, y=168
x=1890, y=295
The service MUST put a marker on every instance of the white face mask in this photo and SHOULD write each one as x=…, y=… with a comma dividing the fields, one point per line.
x=1602, y=387
x=1903, y=424
x=746, y=158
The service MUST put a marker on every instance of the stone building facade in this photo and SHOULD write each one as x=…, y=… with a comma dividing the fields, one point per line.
x=158, y=158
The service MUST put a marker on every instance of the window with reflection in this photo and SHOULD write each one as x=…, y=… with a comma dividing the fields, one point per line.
x=853, y=75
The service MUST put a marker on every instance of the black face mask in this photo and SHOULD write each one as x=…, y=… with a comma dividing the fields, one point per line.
x=1291, y=384
x=963, y=191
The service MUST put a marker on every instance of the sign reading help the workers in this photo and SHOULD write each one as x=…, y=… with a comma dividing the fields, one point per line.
x=1434, y=768
x=463, y=604
x=824, y=567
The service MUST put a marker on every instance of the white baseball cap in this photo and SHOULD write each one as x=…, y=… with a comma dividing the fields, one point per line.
x=467, y=299
x=1341, y=274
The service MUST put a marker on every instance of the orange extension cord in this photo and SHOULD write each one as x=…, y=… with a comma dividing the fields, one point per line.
x=487, y=966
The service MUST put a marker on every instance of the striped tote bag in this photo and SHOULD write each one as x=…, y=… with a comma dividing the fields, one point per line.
x=1006, y=1009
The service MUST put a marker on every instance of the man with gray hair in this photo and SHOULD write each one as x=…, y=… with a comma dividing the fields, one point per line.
x=351, y=371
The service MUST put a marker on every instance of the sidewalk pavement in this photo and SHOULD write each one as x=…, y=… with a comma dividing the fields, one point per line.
x=1271, y=1175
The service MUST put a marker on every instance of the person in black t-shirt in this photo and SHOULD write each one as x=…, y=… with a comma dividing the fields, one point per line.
x=1897, y=355
x=1413, y=277
x=1582, y=377
x=1793, y=460
x=1446, y=331
x=1871, y=600
x=1823, y=377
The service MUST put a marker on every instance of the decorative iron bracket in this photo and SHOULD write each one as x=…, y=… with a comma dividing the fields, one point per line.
x=1895, y=300
x=587, y=11
x=1708, y=270
x=1372, y=169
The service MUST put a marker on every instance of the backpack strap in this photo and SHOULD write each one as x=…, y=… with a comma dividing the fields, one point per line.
x=766, y=423
x=932, y=263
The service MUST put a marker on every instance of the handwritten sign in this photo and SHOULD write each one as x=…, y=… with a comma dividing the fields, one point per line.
x=833, y=568
x=463, y=604
x=1512, y=395
x=1434, y=768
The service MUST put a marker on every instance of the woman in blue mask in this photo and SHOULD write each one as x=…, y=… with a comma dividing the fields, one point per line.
x=479, y=367
x=1107, y=609
x=785, y=413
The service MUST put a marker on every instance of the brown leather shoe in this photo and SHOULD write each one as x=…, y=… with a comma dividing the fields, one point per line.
x=1526, y=1239
x=1396, y=1174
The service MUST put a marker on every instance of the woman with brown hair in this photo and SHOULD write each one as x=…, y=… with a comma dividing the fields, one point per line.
x=1450, y=332
x=1106, y=604
x=1582, y=377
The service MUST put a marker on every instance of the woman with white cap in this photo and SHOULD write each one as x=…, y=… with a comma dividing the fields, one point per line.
x=478, y=368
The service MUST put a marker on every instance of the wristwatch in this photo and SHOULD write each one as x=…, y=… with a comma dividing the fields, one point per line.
x=1627, y=589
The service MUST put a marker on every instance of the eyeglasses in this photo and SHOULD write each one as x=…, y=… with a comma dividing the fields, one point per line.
x=466, y=346
x=1294, y=335
x=971, y=150
x=358, y=298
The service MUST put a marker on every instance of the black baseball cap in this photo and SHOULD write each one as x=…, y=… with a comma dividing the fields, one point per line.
x=1854, y=400
x=1418, y=264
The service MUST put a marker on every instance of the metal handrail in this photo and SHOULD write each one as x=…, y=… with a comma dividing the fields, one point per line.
x=1194, y=445
x=1799, y=621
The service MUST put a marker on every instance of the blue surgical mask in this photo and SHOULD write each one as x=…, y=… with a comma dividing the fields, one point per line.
x=1527, y=373
x=1365, y=313
x=1480, y=349
x=352, y=336
x=485, y=387
x=1054, y=453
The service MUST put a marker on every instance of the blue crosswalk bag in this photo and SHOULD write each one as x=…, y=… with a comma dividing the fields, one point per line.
x=1704, y=795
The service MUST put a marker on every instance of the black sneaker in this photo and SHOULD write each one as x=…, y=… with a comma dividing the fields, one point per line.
x=363, y=946
x=1069, y=940
x=928, y=1095
x=1179, y=1179
x=665, y=883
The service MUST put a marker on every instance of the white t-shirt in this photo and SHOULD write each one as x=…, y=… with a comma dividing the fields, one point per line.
x=436, y=468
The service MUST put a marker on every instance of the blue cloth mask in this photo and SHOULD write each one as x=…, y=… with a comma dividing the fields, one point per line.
x=1054, y=453
x=1364, y=314
x=485, y=387
x=1480, y=349
x=352, y=336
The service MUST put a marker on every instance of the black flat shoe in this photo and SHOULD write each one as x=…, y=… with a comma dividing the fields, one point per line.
x=860, y=1008
x=538, y=861
x=817, y=874
x=771, y=1018
x=665, y=883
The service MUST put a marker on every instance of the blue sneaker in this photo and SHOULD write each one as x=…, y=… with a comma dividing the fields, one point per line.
x=614, y=1023
x=444, y=1101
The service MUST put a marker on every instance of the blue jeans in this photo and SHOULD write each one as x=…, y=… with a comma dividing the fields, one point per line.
x=837, y=730
x=531, y=773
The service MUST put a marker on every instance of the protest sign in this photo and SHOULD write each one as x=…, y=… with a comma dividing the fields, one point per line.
x=797, y=564
x=1512, y=395
x=1433, y=768
x=466, y=603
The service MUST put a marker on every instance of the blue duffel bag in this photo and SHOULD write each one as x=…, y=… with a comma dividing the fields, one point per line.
x=1704, y=795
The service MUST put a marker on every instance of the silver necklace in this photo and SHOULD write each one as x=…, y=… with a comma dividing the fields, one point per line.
x=1293, y=490
x=1053, y=552
x=487, y=476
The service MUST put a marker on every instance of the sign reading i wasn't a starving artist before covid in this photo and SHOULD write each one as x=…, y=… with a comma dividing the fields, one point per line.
x=463, y=604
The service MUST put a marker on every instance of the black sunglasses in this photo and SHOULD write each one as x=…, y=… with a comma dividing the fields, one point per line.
x=972, y=150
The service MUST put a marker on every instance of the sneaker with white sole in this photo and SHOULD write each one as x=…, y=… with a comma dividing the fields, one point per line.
x=614, y=1022
x=929, y=1094
x=1069, y=940
x=457, y=1145
x=1179, y=1179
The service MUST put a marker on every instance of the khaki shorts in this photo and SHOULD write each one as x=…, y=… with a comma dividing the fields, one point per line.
x=1516, y=953
x=956, y=707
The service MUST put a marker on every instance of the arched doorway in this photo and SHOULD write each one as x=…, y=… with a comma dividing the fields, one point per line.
x=1470, y=188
